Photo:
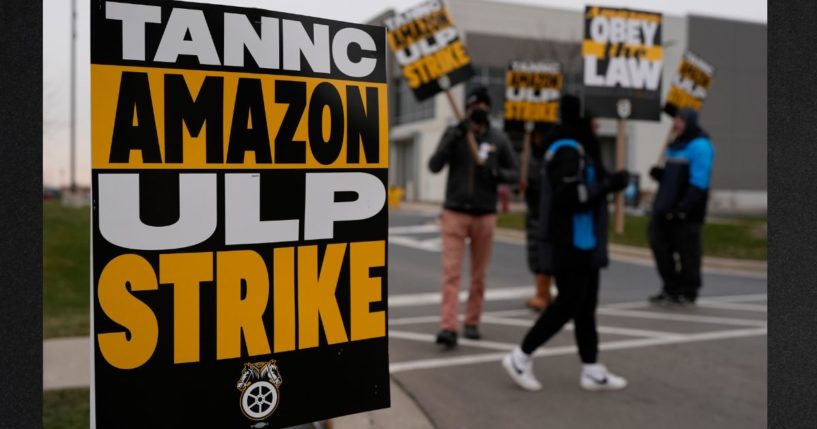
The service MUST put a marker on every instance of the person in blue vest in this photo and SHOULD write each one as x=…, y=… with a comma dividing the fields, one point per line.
x=572, y=244
x=679, y=209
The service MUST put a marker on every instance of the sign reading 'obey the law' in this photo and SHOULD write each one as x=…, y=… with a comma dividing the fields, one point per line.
x=691, y=85
x=428, y=49
x=623, y=62
x=239, y=165
x=532, y=92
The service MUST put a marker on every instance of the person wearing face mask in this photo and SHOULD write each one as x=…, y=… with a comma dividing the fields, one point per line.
x=469, y=210
x=679, y=210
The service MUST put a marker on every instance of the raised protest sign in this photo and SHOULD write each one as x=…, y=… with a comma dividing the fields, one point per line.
x=532, y=92
x=239, y=167
x=691, y=84
x=623, y=61
x=428, y=49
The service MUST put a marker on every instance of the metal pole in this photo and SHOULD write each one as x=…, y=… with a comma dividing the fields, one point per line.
x=72, y=108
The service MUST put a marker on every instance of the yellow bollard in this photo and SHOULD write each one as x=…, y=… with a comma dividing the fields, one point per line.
x=395, y=196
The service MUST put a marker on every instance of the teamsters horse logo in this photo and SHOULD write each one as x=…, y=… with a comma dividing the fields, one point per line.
x=259, y=384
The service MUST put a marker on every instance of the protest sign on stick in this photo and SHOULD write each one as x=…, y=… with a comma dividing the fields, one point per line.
x=623, y=62
x=239, y=168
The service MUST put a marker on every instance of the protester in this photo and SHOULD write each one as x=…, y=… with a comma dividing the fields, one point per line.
x=679, y=210
x=470, y=208
x=572, y=245
x=529, y=187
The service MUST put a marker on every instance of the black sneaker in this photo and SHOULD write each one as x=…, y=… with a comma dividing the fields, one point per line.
x=472, y=333
x=447, y=339
x=661, y=298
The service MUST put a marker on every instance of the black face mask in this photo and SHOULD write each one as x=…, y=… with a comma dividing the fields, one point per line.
x=479, y=116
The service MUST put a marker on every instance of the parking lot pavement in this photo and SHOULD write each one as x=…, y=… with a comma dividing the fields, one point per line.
x=701, y=366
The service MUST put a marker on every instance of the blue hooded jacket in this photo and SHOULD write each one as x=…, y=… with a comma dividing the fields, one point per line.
x=684, y=185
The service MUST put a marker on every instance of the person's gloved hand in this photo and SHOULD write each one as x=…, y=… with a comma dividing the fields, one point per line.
x=462, y=127
x=619, y=180
x=656, y=173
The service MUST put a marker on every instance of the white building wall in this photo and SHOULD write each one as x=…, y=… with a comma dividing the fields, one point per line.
x=426, y=135
x=517, y=20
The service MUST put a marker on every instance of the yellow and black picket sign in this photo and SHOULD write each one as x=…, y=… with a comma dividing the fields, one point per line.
x=428, y=49
x=239, y=167
x=532, y=92
x=688, y=90
x=691, y=84
x=623, y=61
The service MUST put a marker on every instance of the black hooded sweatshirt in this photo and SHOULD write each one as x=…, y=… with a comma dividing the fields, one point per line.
x=562, y=196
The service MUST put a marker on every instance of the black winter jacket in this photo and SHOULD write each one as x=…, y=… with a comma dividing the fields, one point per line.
x=472, y=188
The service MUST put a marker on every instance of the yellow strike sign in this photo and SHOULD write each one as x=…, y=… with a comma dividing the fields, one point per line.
x=427, y=47
x=436, y=65
x=239, y=219
x=196, y=141
x=692, y=83
x=532, y=91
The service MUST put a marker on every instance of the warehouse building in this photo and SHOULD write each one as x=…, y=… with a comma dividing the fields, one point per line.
x=497, y=33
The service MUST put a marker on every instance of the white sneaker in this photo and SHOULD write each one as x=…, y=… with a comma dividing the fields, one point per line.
x=520, y=367
x=597, y=377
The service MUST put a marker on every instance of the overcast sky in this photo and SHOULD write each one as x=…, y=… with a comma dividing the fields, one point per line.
x=57, y=36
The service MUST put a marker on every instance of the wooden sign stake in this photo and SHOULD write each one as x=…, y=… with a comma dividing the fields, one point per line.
x=526, y=151
x=472, y=141
x=621, y=156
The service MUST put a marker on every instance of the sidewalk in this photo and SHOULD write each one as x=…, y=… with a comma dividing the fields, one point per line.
x=67, y=365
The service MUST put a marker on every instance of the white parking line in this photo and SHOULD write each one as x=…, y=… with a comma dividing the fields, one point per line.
x=565, y=350
x=614, y=309
x=520, y=292
x=487, y=318
x=709, y=300
x=414, y=229
x=681, y=317
x=400, y=321
x=612, y=330
x=430, y=245
x=731, y=306
x=739, y=298
x=428, y=338
x=497, y=294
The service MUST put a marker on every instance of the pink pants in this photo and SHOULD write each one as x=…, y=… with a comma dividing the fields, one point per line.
x=456, y=227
